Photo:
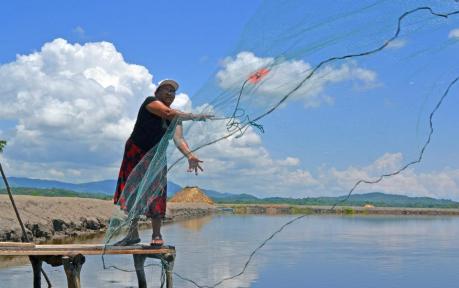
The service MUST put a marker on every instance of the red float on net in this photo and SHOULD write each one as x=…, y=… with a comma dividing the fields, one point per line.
x=257, y=76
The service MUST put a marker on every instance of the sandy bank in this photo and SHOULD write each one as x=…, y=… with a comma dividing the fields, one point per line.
x=59, y=218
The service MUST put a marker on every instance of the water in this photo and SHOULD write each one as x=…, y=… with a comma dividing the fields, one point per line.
x=317, y=251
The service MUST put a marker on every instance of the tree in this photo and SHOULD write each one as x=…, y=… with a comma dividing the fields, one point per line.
x=2, y=145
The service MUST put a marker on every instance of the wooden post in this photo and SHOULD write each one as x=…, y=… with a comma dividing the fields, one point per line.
x=72, y=268
x=36, y=265
x=169, y=258
x=139, y=261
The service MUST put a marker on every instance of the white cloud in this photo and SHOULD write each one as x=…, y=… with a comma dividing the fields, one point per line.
x=286, y=76
x=454, y=34
x=244, y=165
x=73, y=104
x=182, y=102
x=289, y=161
x=397, y=43
x=239, y=166
x=65, y=169
x=79, y=31
x=437, y=184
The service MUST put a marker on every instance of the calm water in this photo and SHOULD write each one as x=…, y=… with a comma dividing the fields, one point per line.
x=317, y=251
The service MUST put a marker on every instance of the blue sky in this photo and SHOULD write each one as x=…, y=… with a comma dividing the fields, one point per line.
x=180, y=39
x=360, y=118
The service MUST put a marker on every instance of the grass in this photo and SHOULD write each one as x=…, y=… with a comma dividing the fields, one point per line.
x=55, y=193
x=348, y=211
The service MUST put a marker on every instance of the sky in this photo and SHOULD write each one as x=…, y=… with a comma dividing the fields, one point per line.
x=74, y=73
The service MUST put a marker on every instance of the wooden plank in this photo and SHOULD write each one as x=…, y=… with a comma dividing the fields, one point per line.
x=12, y=252
x=84, y=249
x=16, y=244
x=145, y=246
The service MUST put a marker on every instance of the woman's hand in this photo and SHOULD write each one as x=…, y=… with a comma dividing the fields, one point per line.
x=193, y=164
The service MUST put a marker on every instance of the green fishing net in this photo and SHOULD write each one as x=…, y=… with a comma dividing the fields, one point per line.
x=295, y=55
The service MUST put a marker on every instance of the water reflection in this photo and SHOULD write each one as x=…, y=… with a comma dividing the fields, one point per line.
x=196, y=224
x=318, y=251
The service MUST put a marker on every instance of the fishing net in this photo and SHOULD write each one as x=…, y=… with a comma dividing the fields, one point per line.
x=293, y=57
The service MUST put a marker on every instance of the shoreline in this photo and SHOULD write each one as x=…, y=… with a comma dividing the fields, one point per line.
x=65, y=219
x=286, y=209
x=57, y=220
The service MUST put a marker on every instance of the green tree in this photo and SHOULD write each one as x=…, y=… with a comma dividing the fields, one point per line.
x=2, y=145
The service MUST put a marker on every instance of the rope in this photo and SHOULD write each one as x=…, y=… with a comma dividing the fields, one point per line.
x=24, y=237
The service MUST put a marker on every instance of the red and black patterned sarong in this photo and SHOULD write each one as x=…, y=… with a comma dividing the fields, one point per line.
x=154, y=202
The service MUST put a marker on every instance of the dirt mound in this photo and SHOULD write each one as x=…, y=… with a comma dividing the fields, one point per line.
x=191, y=195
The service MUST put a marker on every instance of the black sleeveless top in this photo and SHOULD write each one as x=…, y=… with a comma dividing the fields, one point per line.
x=149, y=128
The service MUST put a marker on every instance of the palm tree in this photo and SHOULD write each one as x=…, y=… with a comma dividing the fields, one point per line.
x=2, y=145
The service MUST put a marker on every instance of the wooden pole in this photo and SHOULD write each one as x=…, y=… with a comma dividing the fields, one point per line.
x=139, y=262
x=37, y=268
x=72, y=268
x=24, y=233
x=170, y=259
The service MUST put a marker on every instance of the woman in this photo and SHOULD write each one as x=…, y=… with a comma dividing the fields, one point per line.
x=153, y=120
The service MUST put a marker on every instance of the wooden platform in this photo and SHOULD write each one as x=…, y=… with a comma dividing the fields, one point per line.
x=30, y=249
x=72, y=257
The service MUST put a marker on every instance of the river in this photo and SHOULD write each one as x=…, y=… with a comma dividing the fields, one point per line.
x=316, y=251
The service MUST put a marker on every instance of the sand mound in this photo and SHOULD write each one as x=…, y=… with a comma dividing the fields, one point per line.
x=191, y=195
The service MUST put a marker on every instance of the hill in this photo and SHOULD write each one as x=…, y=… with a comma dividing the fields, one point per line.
x=106, y=187
x=377, y=199
x=53, y=192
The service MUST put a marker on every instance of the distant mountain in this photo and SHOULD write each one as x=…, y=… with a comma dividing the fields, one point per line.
x=218, y=195
x=106, y=187
x=389, y=200
x=54, y=192
x=228, y=197
x=378, y=199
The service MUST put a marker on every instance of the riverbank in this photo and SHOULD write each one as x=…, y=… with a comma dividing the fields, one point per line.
x=275, y=209
x=61, y=219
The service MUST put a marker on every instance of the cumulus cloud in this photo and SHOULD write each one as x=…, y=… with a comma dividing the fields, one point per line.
x=437, y=184
x=79, y=31
x=396, y=44
x=288, y=75
x=243, y=165
x=246, y=171
x=73, y=104
x=182, y=102
x=454, y=34
x=237, y=164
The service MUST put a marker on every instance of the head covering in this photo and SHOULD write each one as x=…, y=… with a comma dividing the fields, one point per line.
x=171, y=82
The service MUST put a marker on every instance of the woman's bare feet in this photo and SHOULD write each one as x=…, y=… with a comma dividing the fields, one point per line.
x=157, y=240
